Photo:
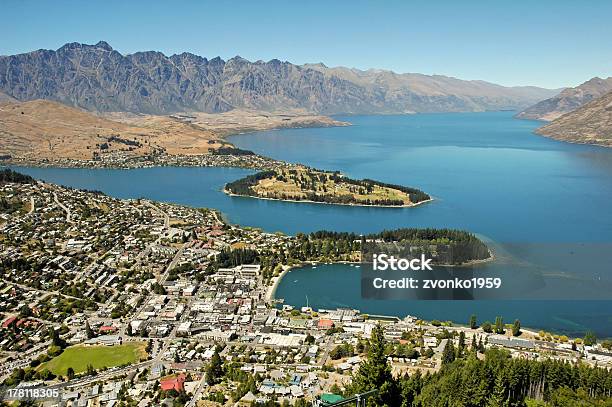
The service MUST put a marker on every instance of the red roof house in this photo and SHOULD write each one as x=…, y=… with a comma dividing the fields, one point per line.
x=108, y=329
x=325, y=323
x=8, y=322
x=176, y=383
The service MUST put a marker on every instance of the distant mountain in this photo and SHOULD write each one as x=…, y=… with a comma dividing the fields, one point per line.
x=414, y=92
x=98, y=78
x=589, y=124
x=568, y=100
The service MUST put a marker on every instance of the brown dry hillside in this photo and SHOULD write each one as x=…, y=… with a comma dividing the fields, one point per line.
x=45, y=129
x=42, y=129
x=590, y=124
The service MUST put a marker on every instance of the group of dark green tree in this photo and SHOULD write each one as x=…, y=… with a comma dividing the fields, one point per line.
x=471, y=377
x=330, y=246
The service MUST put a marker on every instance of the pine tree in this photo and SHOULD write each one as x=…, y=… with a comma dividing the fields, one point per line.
x=473, y=322
x=214, y=371
x=481, y=347
x=499, y=325
x=375, y=374
x=516, y=328
x=590, y=338
x=498, y=398
x=88, y=330
x=461, y=345
x=448, y=355
x=474, y=346
x=56, y=340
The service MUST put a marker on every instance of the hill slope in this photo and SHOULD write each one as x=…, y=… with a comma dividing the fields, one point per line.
x=589, y=124
x=98, y=78
x=44, y=129
x=568, y=100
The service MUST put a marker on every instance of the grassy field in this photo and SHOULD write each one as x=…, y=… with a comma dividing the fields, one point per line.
x=99, y=356
x=288, y=185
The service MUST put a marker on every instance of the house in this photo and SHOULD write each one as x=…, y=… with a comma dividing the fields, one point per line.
x=325, y=323
x=9, y=322
x=173, y=383
x=107, y=329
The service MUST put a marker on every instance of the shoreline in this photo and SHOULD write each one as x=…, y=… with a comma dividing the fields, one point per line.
x=328, y=203
x=271, y=298
x=271, y=291
x=147, y=161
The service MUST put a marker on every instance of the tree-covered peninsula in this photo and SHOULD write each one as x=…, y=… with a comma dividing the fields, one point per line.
x=305, y=184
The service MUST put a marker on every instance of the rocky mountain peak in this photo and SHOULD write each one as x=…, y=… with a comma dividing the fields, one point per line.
x=98, y=78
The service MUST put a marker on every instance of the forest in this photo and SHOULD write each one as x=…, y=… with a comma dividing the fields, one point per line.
x=469, y=377
x=328, y=246
x=9, y=176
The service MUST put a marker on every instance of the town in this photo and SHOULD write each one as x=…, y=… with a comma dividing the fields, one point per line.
x=134, y=302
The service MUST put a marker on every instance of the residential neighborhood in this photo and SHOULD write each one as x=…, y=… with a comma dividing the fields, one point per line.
x=133, y=302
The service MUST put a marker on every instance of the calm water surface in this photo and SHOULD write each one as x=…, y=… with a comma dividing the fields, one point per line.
x=544, y=204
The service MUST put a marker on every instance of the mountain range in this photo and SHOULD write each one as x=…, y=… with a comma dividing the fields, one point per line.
x=568, y=100
x=99, y=78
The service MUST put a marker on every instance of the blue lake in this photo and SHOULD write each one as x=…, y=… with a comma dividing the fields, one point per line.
x=543, y=203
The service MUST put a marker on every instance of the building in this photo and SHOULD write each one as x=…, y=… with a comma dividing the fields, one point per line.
x=173, y=383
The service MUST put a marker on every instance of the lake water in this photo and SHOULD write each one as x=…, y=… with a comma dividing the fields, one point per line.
x=544, y=204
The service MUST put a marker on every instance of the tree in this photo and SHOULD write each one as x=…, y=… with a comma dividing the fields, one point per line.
x=448, y=355
x=70, y=373
x=486, y=326
x=55, y=338
x=481, y=347
x=516, y=328
x=499, y=325
x=473, y=322
x=88, y=331
x=375, y=373
x=25, y=311
x=498, y=398
x=90, y=371
x=214, y=371
x=461, y=345
x=590, y=338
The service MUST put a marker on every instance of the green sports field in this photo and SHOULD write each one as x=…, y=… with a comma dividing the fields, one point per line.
x=99, y=356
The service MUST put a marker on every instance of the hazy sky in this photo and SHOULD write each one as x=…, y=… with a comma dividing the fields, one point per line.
x=545, y=43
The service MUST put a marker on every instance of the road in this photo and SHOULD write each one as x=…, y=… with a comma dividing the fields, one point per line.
x=197, y=392
x=64, y=207
x=32, y=206
x=164, y=214
x=175, y=260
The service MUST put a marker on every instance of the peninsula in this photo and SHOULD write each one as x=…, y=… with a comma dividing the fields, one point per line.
x=304, y=184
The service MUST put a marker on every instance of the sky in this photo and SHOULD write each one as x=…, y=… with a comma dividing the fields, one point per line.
x=543, y=43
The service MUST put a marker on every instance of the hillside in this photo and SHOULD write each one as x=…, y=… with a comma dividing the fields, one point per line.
x=568, y=100
x=98, y=78
x=589, y=124
x=42, y=129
